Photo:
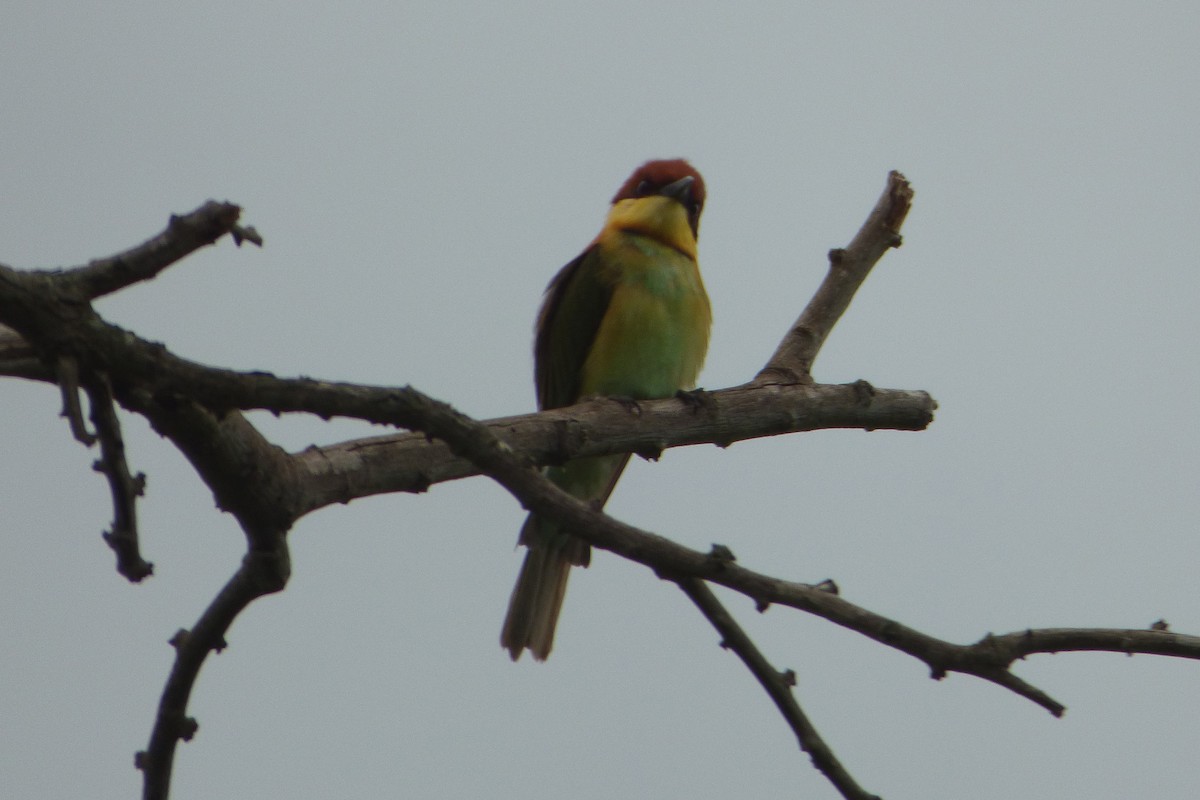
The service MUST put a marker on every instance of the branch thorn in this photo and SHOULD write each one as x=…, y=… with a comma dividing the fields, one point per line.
x=829, y=586
x=722, y=554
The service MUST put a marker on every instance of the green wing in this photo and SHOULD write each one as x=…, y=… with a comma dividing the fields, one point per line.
x=575, y=303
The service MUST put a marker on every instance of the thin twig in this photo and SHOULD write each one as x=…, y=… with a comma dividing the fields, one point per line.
x=183, y=235
x=848, y=268
x=259, y=574
x=67, y=375
x=245, y=234
x=1152, y=640
x=778, y=687
x=124, y=486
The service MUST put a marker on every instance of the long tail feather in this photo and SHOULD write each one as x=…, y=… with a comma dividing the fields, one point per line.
x=542, y=584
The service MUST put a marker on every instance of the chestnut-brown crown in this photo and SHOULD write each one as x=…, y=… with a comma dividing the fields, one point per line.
x=651, y=177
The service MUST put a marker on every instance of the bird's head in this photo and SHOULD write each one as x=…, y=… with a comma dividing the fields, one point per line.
x=663, y=200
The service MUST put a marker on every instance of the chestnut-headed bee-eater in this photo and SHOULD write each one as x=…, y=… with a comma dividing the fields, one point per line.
x=629, y=318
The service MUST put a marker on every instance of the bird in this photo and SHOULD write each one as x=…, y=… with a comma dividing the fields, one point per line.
x=629, y=319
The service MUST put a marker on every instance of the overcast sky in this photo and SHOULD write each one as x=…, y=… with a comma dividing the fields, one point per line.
x=419, y=173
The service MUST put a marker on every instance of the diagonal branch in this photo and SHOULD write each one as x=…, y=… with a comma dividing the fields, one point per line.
x=985, y=660
x=848, y=268
x=183, y=235
x=778, y=687
x=258, y=575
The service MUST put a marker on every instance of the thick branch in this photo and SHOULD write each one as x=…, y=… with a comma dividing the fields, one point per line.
x=250, y=478
x=18, y=359
x=411, y=462
x=68, y=327
x=341, y=472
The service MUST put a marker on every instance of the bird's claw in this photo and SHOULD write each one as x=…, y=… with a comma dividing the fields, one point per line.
x=629, y=404
x=696, y=399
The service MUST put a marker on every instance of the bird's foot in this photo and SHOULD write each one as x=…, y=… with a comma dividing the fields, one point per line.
x=696, y=399
x=628, y=403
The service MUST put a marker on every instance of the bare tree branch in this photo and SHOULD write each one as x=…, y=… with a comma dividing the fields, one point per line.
x=251, y=479
x=985, y=660
x=125, y=487
x=778, y=686
x=57, y=336
x=67, y=375
x=260, y=573
x=848, y=268
x=411, y=462
x=183, y=235
x=1156, y=641
x=197, y=408
x=18, y=359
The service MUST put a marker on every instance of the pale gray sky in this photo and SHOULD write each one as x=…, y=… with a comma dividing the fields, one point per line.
x=419, y=174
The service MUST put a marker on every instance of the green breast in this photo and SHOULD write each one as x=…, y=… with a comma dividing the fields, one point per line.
x=654, y=334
